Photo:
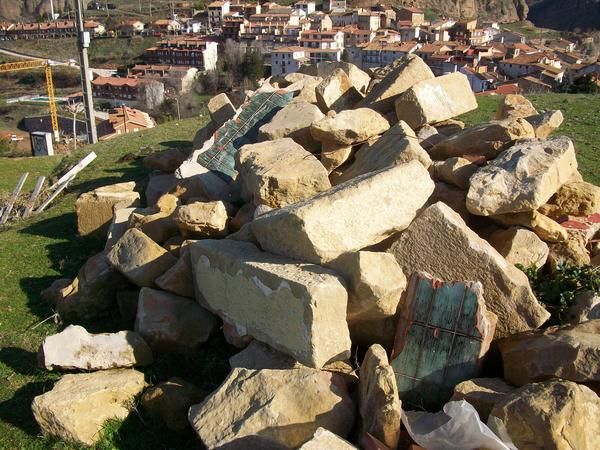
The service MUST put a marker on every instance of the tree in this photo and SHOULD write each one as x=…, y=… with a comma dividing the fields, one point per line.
x=152, y=94
x=253, y=67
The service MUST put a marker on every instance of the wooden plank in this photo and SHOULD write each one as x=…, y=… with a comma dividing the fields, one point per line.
x=13, y=198
x=443, y=332
x=74, y=171
x=52, y=196
x=34, y=195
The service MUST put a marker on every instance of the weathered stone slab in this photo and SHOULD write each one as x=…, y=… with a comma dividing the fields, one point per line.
x=514, y=106
x=375, y=284
x=486, y=139
x=553, y=415
x=404, y=73
x=264, y=404
x=299, y=309
x=94, y=209
x=396, y=146
x=293, y=121
x=172, y=323
x=340, y=220
x=350, y=126
x=482, y=393
x=279, y=172
x=570, y=352
x=78, y=405
x=522, y=178
x=435, y=100
x=578, y=199
x=459, y=255
x=520, y=246
x=75, y=348
x=446, y=327
x=455, y=171
x=336, y=92
x=547, y=229
x=546, y=123
x=220, y=109
x=379, y=405
x=139, y=258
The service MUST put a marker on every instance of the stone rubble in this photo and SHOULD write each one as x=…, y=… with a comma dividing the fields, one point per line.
x=292, y=271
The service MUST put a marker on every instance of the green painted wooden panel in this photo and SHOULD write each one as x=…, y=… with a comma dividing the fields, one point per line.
x=438, y=341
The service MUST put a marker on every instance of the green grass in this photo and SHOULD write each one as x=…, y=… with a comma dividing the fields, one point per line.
x=531, y=31
x=581, y=114
x=36, y=252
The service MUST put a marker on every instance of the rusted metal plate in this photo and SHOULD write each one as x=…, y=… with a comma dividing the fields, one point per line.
x=443, y=332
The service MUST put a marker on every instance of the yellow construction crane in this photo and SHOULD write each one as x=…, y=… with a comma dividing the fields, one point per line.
x=36, y=64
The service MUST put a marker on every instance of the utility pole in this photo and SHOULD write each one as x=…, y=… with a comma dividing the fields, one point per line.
x=52, y=10
x=83, y=43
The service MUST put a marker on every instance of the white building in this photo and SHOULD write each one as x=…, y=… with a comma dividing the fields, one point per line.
x=308, y=6
x=216, y=11
x=286, y=60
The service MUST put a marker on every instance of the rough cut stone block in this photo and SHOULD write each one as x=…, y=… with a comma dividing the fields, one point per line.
x=95, y=209
x=546, y=123
x=220, y=109
x=570, y=352
x=578, y=199
x=280, y=172
x=75, y=348
x=405, y=73
x=440, y=243
x=139, y=258
x=547, y=229
x=337, y=93
x=378, y=402
x=396, y=146
x=78, y=405
x=514, y=106
x=523, y=177
x=349, y=126
x=553, y=415
x=520, y=246
x=435, y=100
x=446, y=327
x=486, y=139
x=172, y=323
x=349, y=217
x=281, y=406
x=299, y=309
x=293, y=121
x=202, y=219
x=482, y=393
x=455, y=171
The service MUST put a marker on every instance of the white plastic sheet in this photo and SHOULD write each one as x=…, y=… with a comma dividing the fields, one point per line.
x=456, y=428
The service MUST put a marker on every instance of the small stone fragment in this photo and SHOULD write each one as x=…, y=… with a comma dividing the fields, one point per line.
x=514, y=106
x=202, y=219
x=483, y=394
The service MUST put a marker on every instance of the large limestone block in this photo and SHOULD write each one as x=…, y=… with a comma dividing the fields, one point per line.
x=523, y=177
x=436, y=100
x=351, y=216
x=281, y=406
x=202, y=219
x=293, y=121
x=375, y=284
x=439, y=242
x=486, y=139
x=336, y=92
x=554, y=415
x=325, y=439
x=545, y=123
x=92, y=294
x=396, y=146
x=299, y=309
x=75, y=348
x=571, y=352
x=350, y=126
x=379, y=405
x=547, y=229
x=455, y=171
x=514, y=106
x=94, y=209
x=172, y=323
x=308, y=92
x=359, y=79
x=139, y=258
x=280, y=172
x=78, y=405
x=578, y=199
x=220, y=109
x=404, y=74
x=482, y=393
x=520, y=246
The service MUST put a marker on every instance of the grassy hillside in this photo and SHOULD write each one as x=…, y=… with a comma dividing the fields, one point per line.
x=45, y=248
x=40, y=250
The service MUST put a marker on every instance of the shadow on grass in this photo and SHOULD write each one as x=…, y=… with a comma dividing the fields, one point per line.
x=17, y=410
x=186, y=146
x=19, y=360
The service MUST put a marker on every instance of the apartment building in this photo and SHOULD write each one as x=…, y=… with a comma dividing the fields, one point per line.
x=190, y=51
